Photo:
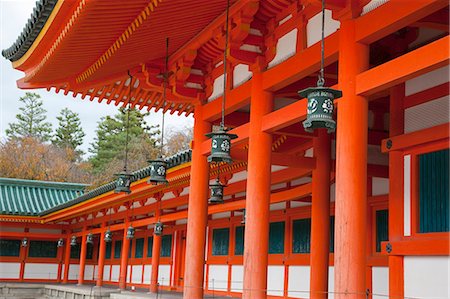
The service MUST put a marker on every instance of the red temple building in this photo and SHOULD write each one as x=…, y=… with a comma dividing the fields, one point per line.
x=359, y=213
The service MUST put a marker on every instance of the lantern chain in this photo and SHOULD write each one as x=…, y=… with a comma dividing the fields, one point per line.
x=128, y=124
x=165, y=79
x=321, y=81
x=222, y=124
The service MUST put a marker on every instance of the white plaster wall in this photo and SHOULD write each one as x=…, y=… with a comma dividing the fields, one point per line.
x=106, y=272
x=95, y=272
x=89, y=272
x=40, y=271
x=11, y=229
x=9, y=270
x=298, y=282
x=164, y=275
x=331, y=282
x=278, y=186
x=301, y=181
x=136, y=274
x=427, y=115
x=217, y=88
x=62, y=271
x=74, y=270
x=129, y=274
x=373, y=4
x=181, y=221
x=375, y=156
x=426, y=276
x=428, y=80
x=238, y=176
x=380, y=282
x=115, y=272
x=237, y=278
x=278, y=206
x=407, y=195
x=314, y=27
x=286, y=47
x=275, y=280
x=147, y=273
x=218, y=277
x=221, y=215
x=241, y=73
x=380, y=186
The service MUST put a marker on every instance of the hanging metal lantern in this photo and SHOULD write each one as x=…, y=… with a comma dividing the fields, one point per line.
x=73, y=241
x=24, y=242
x=158, y=229
x=130, y=232
x=60, y=242
x=243, y=217
x=157, y=172
x=320, y=108
x=123, y=182
x=108, y=236
x=221, y=146
x=216, y=192
x=90, y=238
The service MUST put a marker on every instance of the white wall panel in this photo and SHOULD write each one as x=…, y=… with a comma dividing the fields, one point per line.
x=241, y=73
x=298, y=282
x=9, y=270
x=428, y=80
x=278, y=206
x=88, y=272
x=218, y=277
x=74, y=270
x=136, y=274
x=331, y=282
x=275, y=280
x=380, y=282
x=380, y=186
x=129, y=274
x=164, y=275
x=217, y=88
x=314, y=27
x=407, y=195
x=106, y=272
x=115, y=272
x=221, y=215
x=286, y=47
x=40, y=271
x=427, y=276
x=95, y=272
x=147, y=274
x=427, y=115
x=373, y=4
x=237, y=278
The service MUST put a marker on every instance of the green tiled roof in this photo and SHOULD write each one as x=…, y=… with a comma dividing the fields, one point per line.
x=172, y=161
x=30, y=198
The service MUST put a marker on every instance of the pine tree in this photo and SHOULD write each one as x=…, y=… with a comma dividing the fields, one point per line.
x=31, y=120
x=69, y=132
x=109, y=144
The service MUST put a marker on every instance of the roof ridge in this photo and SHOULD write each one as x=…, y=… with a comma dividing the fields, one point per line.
x=40, y=183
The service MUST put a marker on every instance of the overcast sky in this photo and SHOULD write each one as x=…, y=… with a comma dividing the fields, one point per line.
x=13, y=16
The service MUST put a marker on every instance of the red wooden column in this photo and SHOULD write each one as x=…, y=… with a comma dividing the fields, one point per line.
x=101, y=257
x=156, y=250
x=66, y=260
x=197, y=212
x=320, y=216
x=82, y=257
x=351, y=169
x=257, y=205
x=124, y=259
x=23, y=257
x=396, y=125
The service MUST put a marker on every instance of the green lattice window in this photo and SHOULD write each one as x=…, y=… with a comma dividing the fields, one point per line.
x=276, y=237
x=382, y=227
x=75, y=251
x=149, y=246
x=10, y=247
x=46, y=249
x=239, y=240
x=108, y=250
x=301, y=238
x=166, y=246
x=434, y=197
x=220, y=241
x=117, y=249
x=139, y=248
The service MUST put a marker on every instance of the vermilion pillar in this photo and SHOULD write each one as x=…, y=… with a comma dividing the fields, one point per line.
x=101, y=258
x=66, y=260
x=124, y=260
x=156, y=249
x=396, y=125
x=197, y=212
x=257, y=205
x=82, y=258
x=320, y=216
x=351, y=170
